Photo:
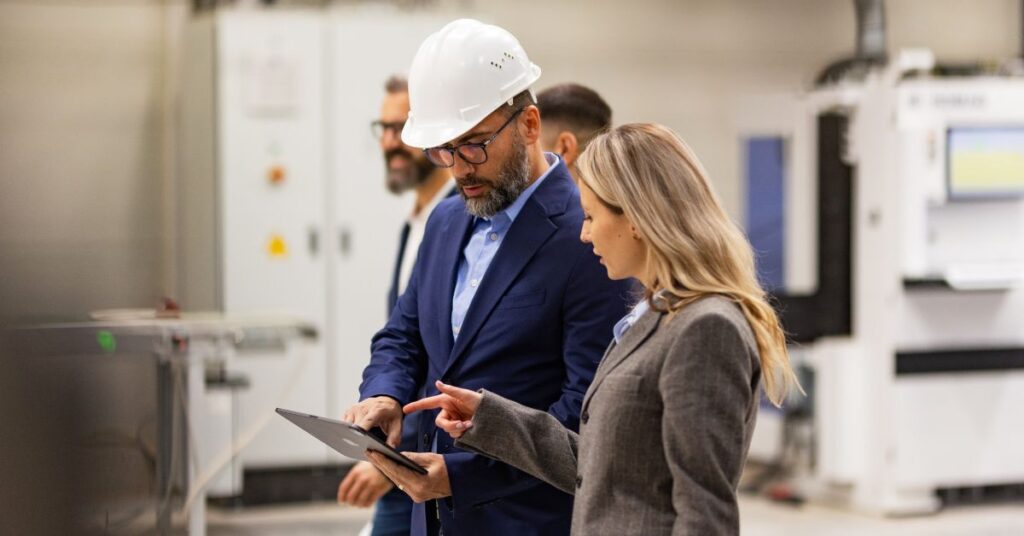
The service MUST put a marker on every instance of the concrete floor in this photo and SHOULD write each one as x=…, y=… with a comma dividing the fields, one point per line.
x=759, y=518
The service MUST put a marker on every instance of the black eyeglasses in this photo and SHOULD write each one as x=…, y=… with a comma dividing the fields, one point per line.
x=380, y=127
x=473, y=153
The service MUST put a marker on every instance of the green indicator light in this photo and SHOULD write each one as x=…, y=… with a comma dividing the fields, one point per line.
x=106, y=341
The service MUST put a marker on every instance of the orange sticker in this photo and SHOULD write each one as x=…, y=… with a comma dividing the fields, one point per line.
x=276, y=174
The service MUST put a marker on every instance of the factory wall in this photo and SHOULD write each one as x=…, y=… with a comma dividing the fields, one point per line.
x=84, y=154
x=684, y=63
x=88, y=109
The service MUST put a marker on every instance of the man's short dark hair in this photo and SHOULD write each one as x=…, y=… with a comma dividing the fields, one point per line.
x=576, y=108
x=396, y=83
x=521, y=100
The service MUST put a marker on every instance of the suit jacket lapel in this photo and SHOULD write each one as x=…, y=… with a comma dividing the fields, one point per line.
x=456, y=233
x=527, y=234
x=617, y=353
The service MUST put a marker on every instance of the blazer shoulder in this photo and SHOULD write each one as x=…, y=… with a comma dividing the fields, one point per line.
x=558, y=194
x=710, y=311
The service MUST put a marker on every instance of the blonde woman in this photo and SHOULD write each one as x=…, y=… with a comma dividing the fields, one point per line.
x=667, y=421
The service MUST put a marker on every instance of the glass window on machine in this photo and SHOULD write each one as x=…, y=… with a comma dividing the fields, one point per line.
x=764, y=175
x=985, y=162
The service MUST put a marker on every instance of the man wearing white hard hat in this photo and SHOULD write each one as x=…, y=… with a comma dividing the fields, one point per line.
x=503, y=296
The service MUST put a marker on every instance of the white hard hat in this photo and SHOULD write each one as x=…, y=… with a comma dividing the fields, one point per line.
x=459, y=76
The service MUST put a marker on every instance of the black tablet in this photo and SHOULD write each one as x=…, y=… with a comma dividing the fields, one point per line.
x=346, y=438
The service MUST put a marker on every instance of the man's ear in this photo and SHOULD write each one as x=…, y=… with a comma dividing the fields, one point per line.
x=568, y=146
x=529, y=124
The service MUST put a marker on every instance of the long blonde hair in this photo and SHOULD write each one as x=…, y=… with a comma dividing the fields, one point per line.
x=649, y=174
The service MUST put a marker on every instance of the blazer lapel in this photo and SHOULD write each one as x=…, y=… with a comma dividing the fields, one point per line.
x=617, y=353
x=457, y=233
x=526, y=235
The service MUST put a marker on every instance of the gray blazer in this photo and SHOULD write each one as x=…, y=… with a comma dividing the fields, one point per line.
x=664, y=430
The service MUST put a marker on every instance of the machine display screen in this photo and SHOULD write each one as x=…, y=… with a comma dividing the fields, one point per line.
x=985, y=162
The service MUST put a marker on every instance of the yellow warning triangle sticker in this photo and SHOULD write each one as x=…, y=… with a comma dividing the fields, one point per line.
x=277, y=247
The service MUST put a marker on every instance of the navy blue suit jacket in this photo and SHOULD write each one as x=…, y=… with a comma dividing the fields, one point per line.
x=534, y=333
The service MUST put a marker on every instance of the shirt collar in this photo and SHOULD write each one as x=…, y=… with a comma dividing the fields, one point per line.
x=640, y=309
x=513, y=210
x=622, y=326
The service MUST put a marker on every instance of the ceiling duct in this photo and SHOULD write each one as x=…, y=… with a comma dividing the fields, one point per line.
x=870, y=29
x=871, y=45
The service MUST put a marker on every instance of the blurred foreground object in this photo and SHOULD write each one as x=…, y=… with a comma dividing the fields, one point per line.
x=104, y=420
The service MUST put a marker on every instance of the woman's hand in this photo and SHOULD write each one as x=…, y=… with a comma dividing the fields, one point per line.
x=457, y=407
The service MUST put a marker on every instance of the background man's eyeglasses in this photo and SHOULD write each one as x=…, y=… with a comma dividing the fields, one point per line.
x=380, y=127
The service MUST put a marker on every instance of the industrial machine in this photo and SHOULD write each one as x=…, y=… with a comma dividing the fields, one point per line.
x=887, y=209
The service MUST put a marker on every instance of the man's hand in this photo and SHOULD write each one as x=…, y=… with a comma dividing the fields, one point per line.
x=363, y=486
x=420, y=488
x=457, y=407
x=381, y=411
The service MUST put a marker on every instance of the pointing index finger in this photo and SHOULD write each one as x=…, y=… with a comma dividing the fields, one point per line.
x=431, y=402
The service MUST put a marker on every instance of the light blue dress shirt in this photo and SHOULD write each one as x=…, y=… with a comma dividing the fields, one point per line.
x=488, y=234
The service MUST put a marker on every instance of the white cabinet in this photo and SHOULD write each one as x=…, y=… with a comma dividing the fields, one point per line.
x=282, y=206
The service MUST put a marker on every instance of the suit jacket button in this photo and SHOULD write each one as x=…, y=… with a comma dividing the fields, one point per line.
x=426, y=440
x=579, y=481
x=585, y=417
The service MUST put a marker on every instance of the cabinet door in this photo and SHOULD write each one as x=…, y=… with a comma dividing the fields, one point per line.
x=366, y=218
x=272, y=211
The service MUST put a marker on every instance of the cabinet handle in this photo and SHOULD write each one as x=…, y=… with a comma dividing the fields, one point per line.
x=344, y=241
x=314, y=241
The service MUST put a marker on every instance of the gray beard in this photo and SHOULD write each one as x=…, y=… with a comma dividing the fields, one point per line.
x=513, y=179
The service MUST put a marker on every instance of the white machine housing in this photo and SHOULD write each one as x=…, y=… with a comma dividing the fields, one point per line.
x=931, y=273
